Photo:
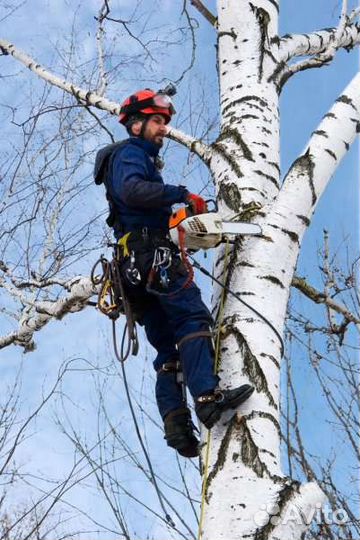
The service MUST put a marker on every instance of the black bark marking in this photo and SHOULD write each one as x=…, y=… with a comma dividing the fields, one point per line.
x=263, y=104
x=320, y=38
x=268, y=177
x=272, y=358
x=246, y=264
x=304, y=219
x=230, y=194
x=232, y=34
x=294, y=237
x=331, y=153
x=235, y=136
x=347, y=145
x=221, y=149
x=321, y=133
x=276, y=165
x=263, y=18
x=248, y=116
x=252, y=367
x=347, y=100
x=248, y=451
x=220, y=460
x=305, y=165
x=262, y=144
x=267, y=416
x=330, y=115
x=254, y=189
x=276, y=75
x=274, y=280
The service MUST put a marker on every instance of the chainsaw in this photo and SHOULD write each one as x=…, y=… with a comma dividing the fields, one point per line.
x=206, y=231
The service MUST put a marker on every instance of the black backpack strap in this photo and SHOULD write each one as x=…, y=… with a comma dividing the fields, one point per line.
x=102, y=160
x=101, y=171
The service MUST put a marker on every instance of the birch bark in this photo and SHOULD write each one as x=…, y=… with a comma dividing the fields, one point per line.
x=244, y=483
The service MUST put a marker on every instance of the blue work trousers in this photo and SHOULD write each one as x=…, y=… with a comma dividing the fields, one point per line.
x=168, y=315
x=167, y=320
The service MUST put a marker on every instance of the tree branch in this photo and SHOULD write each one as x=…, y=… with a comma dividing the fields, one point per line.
x=83, y=96
x=103, y=12
x=310, y=174
x=194, y=145
x=317, y=42
x=318, y=297
x=38, y=314
x=205, y=12
x=334, y=43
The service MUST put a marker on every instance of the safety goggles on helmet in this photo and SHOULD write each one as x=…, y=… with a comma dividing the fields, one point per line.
x=163, y=101
x=158, y=102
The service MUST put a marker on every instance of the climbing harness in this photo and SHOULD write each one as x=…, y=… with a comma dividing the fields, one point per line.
x=112, y=299
x=162, y=261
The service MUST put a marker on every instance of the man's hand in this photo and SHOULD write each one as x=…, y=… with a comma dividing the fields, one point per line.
x=196, y=203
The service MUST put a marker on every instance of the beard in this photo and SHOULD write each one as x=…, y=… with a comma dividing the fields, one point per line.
x=158, y=140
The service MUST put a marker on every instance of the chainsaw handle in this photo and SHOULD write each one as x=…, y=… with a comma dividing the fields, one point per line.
x=208, y=201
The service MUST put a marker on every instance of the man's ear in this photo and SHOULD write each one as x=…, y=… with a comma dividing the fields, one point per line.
x=136, y=128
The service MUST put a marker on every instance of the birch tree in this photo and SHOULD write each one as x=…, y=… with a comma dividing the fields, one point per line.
x=242, y=471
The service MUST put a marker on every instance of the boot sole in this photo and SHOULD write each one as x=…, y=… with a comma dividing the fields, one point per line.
x=237, y=400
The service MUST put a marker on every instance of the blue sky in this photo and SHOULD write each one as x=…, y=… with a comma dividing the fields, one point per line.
x=86, y=336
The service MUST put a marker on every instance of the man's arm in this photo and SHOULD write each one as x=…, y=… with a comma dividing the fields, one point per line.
x=132, y=187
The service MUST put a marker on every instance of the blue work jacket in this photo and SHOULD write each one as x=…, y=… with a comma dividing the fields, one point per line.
x=139, y=194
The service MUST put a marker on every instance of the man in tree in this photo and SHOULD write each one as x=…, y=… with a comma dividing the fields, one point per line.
x=176, y=321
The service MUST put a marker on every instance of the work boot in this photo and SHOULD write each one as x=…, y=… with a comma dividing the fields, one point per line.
x=209, y=407
x=179, y=433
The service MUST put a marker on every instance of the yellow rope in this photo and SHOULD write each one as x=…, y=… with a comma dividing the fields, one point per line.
x=216, y=369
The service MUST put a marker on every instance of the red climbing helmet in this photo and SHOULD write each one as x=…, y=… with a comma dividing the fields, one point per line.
x=148, y=102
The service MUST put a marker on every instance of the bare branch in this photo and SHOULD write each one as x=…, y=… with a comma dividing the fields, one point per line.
x=194, y=145
x=317, y=42
x=39, y=313
x=337, y=38
x=83, y=96
x=310, y=174
x=103, y=12
x=205, y=12
x=319, y=297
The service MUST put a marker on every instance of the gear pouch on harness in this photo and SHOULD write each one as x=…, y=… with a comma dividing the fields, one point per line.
x=150, y=263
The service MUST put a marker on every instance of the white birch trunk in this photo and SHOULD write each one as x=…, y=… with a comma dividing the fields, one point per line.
x=244, y=476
